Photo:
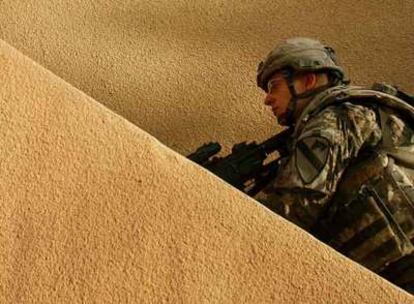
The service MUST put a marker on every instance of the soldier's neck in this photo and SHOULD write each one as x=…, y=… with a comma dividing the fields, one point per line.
x=301, y=104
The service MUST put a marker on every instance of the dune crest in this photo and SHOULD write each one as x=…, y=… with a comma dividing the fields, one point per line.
x=95, y=210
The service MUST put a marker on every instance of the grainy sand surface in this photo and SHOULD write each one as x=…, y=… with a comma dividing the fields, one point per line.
x=96, y=210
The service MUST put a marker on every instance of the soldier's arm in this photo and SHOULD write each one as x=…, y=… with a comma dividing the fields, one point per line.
x=308, y=178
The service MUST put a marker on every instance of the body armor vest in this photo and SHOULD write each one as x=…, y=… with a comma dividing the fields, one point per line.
x=371, y=216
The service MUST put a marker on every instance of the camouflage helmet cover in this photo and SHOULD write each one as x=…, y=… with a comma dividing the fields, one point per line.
x=299, y=54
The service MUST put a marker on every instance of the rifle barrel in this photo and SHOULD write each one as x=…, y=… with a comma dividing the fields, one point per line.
x=203, y=153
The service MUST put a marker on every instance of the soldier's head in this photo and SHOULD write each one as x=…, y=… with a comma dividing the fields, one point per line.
x=295, y=71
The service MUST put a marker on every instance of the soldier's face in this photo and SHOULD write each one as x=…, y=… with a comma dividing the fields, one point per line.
x=278, y=97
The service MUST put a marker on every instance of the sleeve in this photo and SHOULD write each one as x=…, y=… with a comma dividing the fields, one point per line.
x=308, y=178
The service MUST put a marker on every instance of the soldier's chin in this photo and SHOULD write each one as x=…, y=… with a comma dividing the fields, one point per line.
x=282, y=119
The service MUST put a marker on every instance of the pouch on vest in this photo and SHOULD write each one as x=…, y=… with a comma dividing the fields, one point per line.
x=371, y=219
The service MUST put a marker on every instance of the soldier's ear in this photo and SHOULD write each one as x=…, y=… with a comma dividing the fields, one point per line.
x=307, y=81
x=310, y=81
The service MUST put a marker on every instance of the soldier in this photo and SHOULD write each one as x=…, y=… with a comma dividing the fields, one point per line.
x=347, y=177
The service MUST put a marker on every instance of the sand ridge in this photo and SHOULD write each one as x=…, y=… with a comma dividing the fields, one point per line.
x=95, y=210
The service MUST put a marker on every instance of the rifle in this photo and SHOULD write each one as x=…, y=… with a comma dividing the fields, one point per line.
x=244, y=167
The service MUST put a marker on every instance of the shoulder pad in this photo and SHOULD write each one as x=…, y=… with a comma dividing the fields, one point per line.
x=341, y=94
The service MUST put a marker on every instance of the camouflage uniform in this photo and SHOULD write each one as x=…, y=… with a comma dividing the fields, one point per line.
x=348, y=175
x=343, y=183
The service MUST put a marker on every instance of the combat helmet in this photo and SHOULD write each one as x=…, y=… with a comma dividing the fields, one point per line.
x=299, y=55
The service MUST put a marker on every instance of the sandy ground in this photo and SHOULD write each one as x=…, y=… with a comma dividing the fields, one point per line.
x=96, y=210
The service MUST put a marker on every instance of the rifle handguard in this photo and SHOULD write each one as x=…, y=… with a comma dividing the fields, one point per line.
x=245, y=163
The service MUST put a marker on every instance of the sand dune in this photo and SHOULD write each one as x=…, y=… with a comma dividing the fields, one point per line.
x=95, y=210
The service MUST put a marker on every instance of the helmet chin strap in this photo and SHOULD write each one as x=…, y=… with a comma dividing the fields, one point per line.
x=289, y=117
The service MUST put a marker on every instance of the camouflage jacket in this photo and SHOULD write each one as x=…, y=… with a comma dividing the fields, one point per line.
x=323, y=147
